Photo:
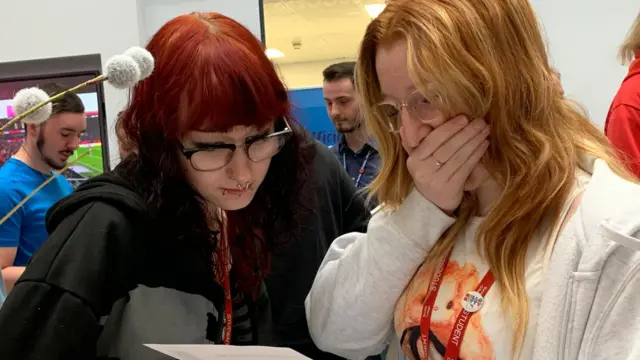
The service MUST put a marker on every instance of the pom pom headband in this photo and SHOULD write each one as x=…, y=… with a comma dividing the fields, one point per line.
x=144, y=59
x=29, y=98
x=33, y=106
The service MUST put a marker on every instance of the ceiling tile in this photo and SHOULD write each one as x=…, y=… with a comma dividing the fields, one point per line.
x=277, y=9
x=329, y=29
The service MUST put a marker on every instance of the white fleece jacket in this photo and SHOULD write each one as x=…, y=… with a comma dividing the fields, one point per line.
x=590, y=308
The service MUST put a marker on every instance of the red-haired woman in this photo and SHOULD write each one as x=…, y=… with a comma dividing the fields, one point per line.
x=174, y=245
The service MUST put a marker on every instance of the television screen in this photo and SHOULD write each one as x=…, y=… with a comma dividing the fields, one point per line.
x=91, y=141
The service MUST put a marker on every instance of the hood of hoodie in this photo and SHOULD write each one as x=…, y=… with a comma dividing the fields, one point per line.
x=107, y=188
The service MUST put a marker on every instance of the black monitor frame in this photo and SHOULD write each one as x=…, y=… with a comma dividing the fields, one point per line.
x=61, y=67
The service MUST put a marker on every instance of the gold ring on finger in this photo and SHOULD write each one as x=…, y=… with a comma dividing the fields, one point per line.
x=435, y=161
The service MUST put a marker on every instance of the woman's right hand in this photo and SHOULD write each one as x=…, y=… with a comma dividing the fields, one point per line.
x=442, y=162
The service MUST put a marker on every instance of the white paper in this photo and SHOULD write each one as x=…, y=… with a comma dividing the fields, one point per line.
x=214, y=352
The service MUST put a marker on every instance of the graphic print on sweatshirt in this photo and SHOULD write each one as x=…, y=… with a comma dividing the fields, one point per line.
x=489, y=332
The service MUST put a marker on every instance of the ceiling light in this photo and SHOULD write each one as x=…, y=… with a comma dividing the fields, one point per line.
x=374, y=9
x=274, y=53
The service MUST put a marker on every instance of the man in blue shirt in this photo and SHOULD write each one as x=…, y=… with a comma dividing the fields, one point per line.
x=355, y=150
x=46, y=148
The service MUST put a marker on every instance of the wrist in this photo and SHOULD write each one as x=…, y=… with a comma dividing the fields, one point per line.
x=420, y=220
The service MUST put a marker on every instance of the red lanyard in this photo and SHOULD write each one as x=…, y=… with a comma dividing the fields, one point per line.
x=224, y=258
x=471, y=303
x=228, y=304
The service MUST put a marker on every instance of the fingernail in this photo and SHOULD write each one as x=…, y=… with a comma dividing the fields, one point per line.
x=462, y=120
x=479, y=124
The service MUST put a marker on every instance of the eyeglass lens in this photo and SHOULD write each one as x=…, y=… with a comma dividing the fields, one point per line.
x=417, y=106
x=257, y=150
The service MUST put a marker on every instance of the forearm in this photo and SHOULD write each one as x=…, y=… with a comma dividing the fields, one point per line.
x=351, y=304
x=11, y=274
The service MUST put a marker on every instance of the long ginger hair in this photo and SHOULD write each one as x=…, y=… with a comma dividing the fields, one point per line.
x=487, y=59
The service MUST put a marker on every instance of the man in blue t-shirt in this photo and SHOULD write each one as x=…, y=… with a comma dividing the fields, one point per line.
x=46, y=148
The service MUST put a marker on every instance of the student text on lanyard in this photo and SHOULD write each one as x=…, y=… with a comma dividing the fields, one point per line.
x=471, y=303
x=362, y=167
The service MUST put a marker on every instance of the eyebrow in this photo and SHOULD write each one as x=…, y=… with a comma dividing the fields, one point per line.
x=228, y=140
x=72, y=130
x=387, y=96
x=340, y=97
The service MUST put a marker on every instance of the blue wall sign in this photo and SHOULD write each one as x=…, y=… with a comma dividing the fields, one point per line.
x=311, y=112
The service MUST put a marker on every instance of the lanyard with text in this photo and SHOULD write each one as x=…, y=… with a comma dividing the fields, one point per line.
x=362, y=167
x=224, y=258
x=471, y=303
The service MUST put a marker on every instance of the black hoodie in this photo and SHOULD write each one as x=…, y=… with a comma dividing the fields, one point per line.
x=103, y=285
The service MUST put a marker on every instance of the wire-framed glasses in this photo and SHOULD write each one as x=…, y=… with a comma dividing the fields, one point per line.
x=210, y=157
x=417, y=105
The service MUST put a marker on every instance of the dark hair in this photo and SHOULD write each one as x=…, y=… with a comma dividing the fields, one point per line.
x=69, y=103
x=339, y=71
x=212, y=74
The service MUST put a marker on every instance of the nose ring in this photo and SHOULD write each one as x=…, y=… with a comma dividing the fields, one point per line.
x=244, y=187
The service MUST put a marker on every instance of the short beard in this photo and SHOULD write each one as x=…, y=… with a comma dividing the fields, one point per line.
x=40, y=143
x=348, y=130
x=354, y=126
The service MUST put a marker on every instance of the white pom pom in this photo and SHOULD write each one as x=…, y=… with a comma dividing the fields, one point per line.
x=27, y=98
x=122, y=71
x=144, y=59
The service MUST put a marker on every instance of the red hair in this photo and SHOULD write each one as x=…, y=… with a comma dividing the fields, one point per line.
x=211, y=74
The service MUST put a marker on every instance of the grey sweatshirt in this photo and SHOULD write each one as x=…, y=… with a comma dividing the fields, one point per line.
x=590, y=308
x=351, y=304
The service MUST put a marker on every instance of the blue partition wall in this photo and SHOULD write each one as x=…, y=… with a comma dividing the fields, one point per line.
x=310, y=110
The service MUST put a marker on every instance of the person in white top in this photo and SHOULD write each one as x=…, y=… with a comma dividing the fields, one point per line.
x=512, y=237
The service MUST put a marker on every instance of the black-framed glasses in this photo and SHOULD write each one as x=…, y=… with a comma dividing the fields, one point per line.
x=417, y=105
x=212, y=157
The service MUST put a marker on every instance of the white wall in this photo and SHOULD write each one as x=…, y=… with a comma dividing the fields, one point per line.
x=304, y=74
x=154, y=13
x=584, y=36
x=36, y=29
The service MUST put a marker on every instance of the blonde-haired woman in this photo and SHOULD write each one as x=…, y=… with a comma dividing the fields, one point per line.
x=512, y=237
